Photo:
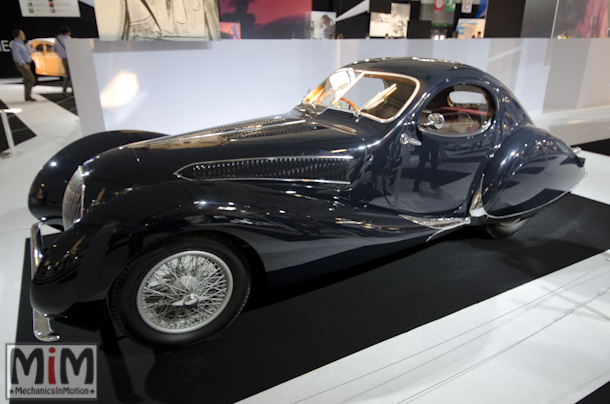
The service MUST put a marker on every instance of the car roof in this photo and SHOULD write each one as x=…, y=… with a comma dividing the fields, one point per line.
x=429, y=71
x=51, y=40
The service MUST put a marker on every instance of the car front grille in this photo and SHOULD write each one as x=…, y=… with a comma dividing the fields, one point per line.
x=73, y=203
x=309, y=169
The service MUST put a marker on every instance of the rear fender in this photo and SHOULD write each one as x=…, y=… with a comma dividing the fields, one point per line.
x=531, y=169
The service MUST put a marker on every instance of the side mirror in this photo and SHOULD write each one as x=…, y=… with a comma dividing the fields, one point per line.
x=435, y=121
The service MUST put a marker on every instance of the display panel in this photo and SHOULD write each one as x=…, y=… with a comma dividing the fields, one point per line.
x=380, y=24
x=49, y=8
x=581, y=19
x=323, y=24
x=269, y=19
x=154, y=20
x=399, y=20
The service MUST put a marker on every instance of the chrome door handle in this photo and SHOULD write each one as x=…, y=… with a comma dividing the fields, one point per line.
x=405, y=139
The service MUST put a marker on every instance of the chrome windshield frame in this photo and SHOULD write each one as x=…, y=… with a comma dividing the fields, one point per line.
x=362, y=73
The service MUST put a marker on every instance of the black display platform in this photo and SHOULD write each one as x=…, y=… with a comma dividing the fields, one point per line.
x=19, y=130
x=600, y=146
x=289, y=331
x=68, y=103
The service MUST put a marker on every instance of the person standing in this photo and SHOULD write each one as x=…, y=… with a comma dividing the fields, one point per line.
x=60, y=48
x=21, y=56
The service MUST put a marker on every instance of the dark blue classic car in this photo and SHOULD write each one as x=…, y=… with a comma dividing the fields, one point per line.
x=169, y=232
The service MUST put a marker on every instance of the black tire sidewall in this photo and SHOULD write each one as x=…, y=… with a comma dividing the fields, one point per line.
x=125, y=290
x=500, y=231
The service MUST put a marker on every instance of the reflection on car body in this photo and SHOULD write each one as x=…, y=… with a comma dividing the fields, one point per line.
x=170, y=231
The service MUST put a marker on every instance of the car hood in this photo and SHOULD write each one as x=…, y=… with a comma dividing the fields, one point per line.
x=276, y=148
x=290, y=147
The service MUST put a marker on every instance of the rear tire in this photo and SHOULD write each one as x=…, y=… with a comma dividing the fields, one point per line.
x=180, y=293
x=504, y=229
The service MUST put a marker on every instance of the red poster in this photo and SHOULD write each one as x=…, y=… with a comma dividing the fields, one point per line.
x=268, y=19
x=439, y=5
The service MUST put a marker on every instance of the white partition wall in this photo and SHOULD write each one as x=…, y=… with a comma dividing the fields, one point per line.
x=179, y=87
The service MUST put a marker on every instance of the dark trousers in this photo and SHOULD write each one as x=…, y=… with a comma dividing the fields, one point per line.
x=28, y=80
x=67, y=79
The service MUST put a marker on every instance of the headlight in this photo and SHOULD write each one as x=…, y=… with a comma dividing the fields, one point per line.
x=74, y=197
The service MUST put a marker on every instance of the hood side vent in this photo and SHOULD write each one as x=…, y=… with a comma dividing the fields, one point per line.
x=329, y=170
x=282, y=130
x=248, y=124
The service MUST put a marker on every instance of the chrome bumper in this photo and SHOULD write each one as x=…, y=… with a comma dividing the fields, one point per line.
x=41, y=324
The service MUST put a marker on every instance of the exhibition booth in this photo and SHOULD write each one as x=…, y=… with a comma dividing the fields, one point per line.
x=229, y=81
x=400, y=297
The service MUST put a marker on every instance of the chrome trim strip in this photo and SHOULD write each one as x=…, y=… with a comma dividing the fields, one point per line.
x=476, y=205
x=438, y=223
x=437, y=132
x=442, y=224
x=211, y=132
x=40, y=324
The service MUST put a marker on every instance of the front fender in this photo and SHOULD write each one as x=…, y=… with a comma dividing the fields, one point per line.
x=285, y=225
x=47, y=189
x=85, y=259
x=531, y=169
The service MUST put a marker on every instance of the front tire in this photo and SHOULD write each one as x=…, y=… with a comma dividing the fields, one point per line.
x=504, y=229
x=180, y=293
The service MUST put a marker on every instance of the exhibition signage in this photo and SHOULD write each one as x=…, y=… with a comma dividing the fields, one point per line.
x=466, y=6
x=444, y=5
x=64, y=372
x=49, y=8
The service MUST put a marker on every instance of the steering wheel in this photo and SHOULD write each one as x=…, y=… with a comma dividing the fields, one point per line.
x=351, y=104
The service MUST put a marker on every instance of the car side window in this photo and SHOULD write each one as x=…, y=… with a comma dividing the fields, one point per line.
x=48, y=47
x=465, y=108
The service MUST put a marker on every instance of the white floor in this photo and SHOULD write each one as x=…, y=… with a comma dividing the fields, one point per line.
x=545, y=341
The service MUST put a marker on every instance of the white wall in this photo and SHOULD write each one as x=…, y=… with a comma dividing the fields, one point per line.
x=83, y=75
x=179, y=87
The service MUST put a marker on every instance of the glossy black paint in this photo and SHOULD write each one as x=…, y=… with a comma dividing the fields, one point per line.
x=47, y=189
x=142, y=193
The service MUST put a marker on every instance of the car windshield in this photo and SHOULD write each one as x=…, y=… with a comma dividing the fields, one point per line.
x=380, y=95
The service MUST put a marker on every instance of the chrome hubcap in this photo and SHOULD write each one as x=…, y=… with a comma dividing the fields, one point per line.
x=184, y=292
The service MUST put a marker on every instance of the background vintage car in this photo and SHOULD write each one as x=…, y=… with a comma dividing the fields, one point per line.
x=170, y=232
x=48, y=62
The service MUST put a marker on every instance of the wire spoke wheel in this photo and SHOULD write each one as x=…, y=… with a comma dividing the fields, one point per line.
x=181, y=292
x=184, y=292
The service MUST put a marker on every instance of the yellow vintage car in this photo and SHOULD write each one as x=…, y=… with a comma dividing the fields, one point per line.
x=48, y=62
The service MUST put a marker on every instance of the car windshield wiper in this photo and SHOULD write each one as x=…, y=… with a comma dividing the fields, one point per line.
x=341, y=87
x=376, y=100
